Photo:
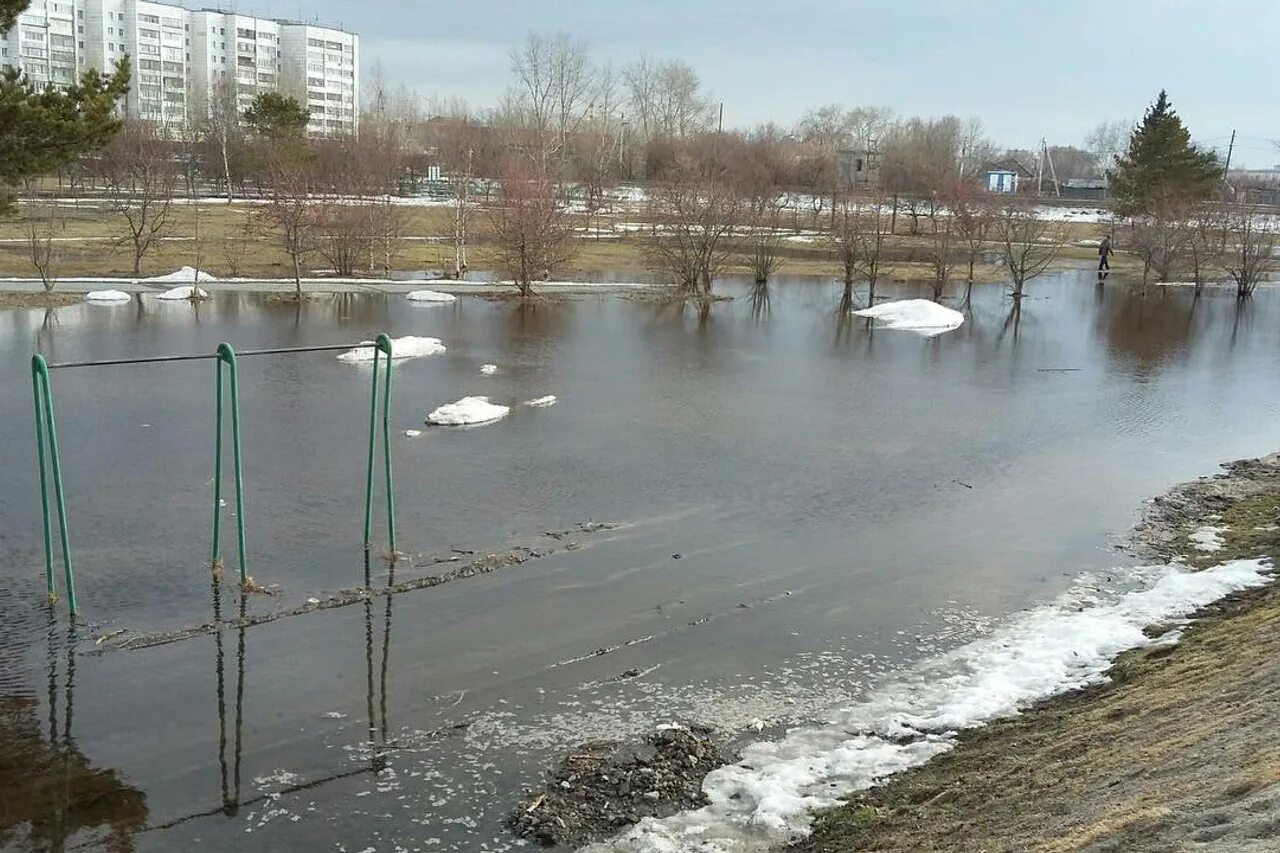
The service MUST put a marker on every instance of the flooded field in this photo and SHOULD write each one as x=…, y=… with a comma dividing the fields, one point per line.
x=742, y=520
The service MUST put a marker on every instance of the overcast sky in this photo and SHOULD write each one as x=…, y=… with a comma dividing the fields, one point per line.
x=1027, y=68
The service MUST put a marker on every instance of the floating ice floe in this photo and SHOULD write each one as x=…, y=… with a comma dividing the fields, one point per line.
x=107, y=296
x=187, y=274
x=768, y=797
x=410, y=346
x=431, y=296
x=540, y=402
x=468, y=411
x=186, y=291
x=914, y=315
x=488, y=369
x=412, y=433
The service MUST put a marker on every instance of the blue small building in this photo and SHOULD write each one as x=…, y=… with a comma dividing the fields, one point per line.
x=1005, y=176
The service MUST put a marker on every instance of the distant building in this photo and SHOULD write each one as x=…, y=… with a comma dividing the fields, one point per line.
x=1004, y=176
x=1090, y=189
x=180, y=56
x=1255, y=186
x=858, y=168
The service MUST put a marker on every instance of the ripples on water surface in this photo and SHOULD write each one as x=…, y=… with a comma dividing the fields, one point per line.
x=843, y=502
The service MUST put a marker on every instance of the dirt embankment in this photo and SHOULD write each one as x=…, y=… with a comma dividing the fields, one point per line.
x=1177, y=752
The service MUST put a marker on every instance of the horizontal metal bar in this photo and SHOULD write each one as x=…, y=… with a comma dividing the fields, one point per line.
x=200, y=356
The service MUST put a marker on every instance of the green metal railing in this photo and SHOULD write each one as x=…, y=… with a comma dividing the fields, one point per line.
x=47, y=434
x=381, y=345
x=225, y=356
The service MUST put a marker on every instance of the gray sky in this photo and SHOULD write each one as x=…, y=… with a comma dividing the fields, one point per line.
x=1027, y=68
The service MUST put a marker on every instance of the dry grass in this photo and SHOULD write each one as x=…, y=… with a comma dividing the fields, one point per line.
x=1180, y=740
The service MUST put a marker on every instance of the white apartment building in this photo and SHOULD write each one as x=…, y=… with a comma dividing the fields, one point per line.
x=181, y=56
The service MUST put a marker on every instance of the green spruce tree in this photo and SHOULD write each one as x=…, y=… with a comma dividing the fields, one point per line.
x=1162, y=165
x=42, y=130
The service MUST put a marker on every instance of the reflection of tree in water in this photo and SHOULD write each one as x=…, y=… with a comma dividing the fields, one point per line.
x=759, y=301
x=49, y=792
x=1147, y=332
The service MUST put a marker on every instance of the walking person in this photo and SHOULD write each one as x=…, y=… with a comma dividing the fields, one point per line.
x=1104, y=252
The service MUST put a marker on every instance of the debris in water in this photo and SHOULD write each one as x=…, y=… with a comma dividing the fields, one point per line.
x=488, y=369
x=603, y=786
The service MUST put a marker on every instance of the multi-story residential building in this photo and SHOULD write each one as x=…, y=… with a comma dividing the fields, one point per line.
x=181, y=58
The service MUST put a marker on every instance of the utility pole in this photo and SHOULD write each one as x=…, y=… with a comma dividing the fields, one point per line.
x=720, y=125
x=1040, y=167
x=1053, y=172
x=1230, y=148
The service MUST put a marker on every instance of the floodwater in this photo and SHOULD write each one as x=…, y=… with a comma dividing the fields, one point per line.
x=795, y=507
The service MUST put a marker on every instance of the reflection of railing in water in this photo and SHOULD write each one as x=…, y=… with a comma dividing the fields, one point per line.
x=49, y=785
x=47, y=445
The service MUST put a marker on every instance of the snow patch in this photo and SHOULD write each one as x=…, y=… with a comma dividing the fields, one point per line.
x=410, y=346
x=186, y=291
x=187, y=274
x=488, y=369
x=767, y=797
x=914, y=315
x=541, y=402
x=1208, y=538
x=107, y=296
x=431, y=296
x=468, y=411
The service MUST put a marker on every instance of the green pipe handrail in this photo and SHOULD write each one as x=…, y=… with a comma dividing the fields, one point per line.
x=46, y=429
x=381, y=345
x=47, y=446
x=226, y=355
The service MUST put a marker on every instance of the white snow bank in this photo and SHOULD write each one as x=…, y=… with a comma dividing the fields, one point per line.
x=768, y=796
x=468, y=410
x=431, y=296
x=1208, y=538
x=182, y=274
x=184, y=292
x=488, y=369
x=540, y=402
x=914, y=315
x=410, y=346
x=107, y=296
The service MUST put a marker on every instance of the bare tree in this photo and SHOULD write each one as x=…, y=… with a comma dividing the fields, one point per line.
x=941, y=247
x=219, y=126
x=290, y=212
x=667, y=100
x=43, y=251
x=139, y=179
x=532, y=227
x=1025, y=244
x=695, y=212
x=553, y=82
x=1205, y=242
x=972, y=216
x=875, y=224
x=1108, y=141
x=1251, y=251
x=1160, y=239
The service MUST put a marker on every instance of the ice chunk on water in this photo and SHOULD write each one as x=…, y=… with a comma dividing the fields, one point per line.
x=186, y=291
x=410, y=346
x=540, y=402
x=107, y=296
x=467, y=411
x=488, y=369
x=914, y=315
x=431, y=297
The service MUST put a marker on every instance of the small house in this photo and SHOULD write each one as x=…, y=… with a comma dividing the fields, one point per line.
x=858, y=168
x=1004, y=176
x=1088, y=189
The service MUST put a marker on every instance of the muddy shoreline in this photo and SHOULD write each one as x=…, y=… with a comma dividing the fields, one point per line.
x=1176, y=751
x=1014, y=784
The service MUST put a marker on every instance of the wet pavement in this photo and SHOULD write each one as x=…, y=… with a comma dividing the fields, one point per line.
x=801, y=507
